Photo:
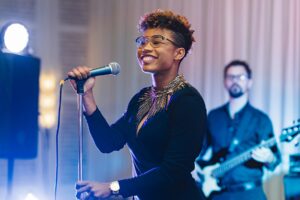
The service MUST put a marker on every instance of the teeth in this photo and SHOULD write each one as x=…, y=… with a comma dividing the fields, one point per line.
x=148, y=58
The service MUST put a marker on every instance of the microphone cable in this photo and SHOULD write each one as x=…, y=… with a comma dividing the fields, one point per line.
x=61, y=84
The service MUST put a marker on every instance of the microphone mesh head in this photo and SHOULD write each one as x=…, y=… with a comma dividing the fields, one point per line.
x=115, y=68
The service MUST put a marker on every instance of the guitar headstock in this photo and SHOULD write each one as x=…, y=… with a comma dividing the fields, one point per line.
x=289, y=133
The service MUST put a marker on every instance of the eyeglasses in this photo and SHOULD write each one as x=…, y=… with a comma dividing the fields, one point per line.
x=240, y=77
x=155, y=41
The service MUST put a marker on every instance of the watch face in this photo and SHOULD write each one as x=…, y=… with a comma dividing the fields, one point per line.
x=115, y=187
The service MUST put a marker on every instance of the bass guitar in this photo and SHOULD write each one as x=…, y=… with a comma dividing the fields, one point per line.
x=212, y=173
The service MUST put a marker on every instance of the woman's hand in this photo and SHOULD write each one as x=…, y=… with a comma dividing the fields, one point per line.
x=93, y=190
x=81, y=73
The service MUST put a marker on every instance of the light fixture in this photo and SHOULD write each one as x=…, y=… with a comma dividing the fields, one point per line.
x=14, y=38
x=30, y=196
x=47, y=101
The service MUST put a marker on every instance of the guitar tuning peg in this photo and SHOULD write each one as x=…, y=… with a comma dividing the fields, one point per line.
x=297, y=142
x=296, y=121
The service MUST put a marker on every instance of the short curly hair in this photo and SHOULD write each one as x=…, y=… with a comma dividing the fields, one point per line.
x=178, y=24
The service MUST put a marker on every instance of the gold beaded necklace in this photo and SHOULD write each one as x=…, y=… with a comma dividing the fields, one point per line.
x=153, y=100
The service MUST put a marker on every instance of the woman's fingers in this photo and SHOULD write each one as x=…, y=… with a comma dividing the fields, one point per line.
x=79, y=72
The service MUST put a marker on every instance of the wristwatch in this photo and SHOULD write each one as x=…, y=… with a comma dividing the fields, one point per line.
x=114, y=187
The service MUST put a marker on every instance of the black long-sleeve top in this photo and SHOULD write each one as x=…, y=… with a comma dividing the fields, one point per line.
x=249, y=127
x=164, y=149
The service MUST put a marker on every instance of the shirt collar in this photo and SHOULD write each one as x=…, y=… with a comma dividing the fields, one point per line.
x=240, y=112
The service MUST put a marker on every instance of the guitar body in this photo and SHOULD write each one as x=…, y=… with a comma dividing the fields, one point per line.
x=210, y=184
x=203, y=172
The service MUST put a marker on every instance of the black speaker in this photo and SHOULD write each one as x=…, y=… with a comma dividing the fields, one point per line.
x=19, y=90
x=292, y=186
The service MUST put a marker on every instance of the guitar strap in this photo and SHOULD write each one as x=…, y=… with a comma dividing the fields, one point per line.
x=247, y=117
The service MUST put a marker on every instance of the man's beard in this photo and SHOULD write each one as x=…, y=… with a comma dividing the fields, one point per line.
x=235, y=91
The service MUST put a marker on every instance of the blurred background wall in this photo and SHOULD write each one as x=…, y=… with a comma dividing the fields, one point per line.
x=66, y=33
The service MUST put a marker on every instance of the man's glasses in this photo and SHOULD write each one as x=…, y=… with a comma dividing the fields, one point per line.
x=240, y=77
x=155, y=41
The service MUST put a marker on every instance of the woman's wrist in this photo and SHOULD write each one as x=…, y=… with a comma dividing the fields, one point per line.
x=89, y=103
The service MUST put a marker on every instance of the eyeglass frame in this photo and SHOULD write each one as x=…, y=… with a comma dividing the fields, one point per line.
x=148, y=39
x=240, y=77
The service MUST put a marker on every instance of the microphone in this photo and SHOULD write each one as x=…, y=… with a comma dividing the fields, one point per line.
x=112, y=68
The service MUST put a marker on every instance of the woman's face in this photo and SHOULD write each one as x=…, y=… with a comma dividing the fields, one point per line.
x=156, y=51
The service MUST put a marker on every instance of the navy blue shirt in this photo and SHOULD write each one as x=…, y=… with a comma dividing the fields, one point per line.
x=164, y=149
x=248, y=128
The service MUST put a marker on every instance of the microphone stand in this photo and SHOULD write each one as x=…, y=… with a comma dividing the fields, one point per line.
x=80, y=91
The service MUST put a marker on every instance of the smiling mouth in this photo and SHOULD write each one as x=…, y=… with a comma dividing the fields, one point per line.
x=147, y=59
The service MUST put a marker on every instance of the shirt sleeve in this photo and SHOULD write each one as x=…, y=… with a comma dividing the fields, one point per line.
x=107, y=137
x=188, y=129
x=266, y=131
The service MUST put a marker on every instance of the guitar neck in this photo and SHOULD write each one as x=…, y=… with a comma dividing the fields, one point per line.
x=241, y=158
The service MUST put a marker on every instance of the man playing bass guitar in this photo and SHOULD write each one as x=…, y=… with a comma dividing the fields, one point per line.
x=237, y=132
